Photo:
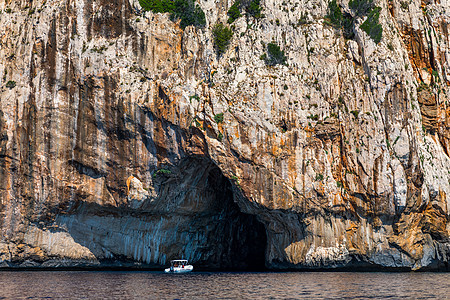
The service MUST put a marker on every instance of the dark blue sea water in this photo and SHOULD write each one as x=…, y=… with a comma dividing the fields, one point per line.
x=157, y=285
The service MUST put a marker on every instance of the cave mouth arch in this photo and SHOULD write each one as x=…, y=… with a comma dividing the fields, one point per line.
x=192, y=213
x=229, y=238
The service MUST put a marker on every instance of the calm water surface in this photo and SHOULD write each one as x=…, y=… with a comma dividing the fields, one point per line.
x=154, y=285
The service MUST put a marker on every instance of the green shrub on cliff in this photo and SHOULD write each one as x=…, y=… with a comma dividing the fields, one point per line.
x=360, y=8
x=218, y=118
x=185, y=10
x=274, y=55
x=189, y=13
x=334, y=16
x=234, y=12
x=222, y=36
x=254, y=9
x=338, y=20
x=157, y=6
x=162, y=172
x=371, y=25
x=11, y=84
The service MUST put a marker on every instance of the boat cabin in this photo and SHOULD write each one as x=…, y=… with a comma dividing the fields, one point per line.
x=178, y=263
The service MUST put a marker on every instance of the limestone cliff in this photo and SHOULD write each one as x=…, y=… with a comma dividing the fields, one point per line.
x=127, y=140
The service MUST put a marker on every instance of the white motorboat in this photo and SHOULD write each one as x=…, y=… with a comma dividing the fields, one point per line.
x=179, y=266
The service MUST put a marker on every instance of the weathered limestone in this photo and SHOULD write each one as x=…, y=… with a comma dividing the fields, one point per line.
x=110, y=153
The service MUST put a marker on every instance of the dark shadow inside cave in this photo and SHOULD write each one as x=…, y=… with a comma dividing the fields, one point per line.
x=239, y=238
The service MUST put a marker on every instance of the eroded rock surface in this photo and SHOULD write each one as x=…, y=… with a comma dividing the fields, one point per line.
x=111, y=155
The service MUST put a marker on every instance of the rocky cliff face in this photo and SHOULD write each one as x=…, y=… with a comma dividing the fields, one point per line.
x=113, y=151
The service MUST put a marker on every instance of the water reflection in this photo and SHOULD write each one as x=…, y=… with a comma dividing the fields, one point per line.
x=153, y=285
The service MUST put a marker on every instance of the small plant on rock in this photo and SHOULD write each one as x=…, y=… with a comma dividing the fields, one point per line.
x=372, y=26
x=361, y=7
x=274, y=55
x=189, y=13
x=404, y=5
x=196, y=97
x=234, y=12
x=313, y=117
x=222, y=36
x=355, y=113
x=157, y=6
x=218, y=118
x=186, y=11
x=254, y=9
x=338, y=20
x=11, y=84
x=334, y=16
x=303, y=19
x=162, y=172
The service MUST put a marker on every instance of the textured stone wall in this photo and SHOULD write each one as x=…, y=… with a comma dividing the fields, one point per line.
x=110, y=153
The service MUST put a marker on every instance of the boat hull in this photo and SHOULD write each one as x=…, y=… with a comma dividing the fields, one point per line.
x=186, y=269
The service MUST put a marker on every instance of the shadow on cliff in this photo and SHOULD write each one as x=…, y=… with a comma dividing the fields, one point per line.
x=194, y=217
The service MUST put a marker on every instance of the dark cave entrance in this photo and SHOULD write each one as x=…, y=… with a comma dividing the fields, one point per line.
x=231, y=239
x=244, y=238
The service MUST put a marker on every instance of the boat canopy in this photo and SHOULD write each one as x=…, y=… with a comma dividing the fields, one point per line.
x=180, y=261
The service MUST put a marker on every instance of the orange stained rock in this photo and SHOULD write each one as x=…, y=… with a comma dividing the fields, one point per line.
x=336, y=199
x=128, y=183
x=178, y=44
x=442, y=200
x=352, y=227
x=292, y=169
x=434, y=221
x=308, y=130
x=276, y=151
x=351, y=235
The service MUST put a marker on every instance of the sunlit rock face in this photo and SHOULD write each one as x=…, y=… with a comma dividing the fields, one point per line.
x=111, y=155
